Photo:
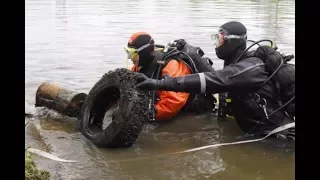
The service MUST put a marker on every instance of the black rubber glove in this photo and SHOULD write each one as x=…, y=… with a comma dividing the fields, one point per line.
x=145, y=83
x=189, y=83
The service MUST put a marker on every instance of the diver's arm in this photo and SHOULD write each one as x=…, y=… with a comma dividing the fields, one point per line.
x=243, y=75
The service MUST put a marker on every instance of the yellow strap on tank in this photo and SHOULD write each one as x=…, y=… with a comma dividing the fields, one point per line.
x=228, y=116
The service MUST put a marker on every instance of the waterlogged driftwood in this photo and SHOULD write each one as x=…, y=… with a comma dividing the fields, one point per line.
x=62, y=100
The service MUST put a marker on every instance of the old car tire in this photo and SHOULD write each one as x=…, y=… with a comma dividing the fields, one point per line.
x=127, y=120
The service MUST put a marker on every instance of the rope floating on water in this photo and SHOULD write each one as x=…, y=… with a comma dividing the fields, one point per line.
x=278, y=129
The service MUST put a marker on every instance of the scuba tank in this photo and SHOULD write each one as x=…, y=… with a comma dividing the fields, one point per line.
x=192, y=57
x=203, y=64
x=281, y=73
x=199, y=103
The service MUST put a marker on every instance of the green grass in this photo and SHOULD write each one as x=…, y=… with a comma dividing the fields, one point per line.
x=31, y=170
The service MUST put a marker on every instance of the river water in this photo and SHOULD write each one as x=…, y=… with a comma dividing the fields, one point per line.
x=73, y=43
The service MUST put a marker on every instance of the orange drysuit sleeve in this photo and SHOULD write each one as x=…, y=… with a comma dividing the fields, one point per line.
x=171, y=102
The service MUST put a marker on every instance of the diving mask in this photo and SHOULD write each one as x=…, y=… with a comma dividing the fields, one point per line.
x=219, y=37
x=132, y=52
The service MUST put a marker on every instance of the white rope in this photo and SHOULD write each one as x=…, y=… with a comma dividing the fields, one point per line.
x=279, y=129
x=47, y=155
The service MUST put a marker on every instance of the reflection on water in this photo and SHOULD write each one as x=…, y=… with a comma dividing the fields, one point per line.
x=74, y=43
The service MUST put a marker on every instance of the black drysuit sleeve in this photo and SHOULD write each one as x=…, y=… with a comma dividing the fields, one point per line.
x=243, y=75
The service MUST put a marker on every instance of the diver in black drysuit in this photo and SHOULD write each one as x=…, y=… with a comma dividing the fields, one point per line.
x=241, y=79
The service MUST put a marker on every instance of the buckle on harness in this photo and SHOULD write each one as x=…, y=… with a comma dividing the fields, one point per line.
x=256, y=98
x=161, y=62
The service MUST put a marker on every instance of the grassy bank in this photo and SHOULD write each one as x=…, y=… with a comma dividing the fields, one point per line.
x=31, y=170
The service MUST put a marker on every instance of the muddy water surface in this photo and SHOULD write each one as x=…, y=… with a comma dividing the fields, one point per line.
x=74, y=43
